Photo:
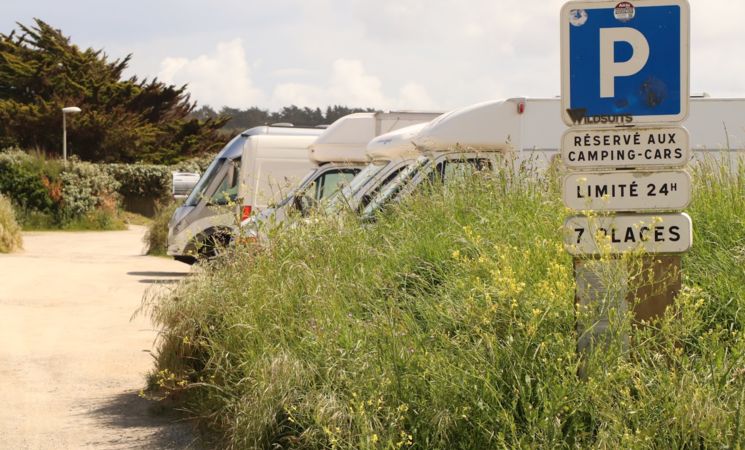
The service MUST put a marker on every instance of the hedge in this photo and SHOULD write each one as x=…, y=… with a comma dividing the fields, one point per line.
x=49, y=193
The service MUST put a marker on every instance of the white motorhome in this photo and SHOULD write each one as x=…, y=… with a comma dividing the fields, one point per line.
x=717, y=128
x=339, y=154
x=389, y=154
x=531, y=128
x=528, y=131
x=253, y=170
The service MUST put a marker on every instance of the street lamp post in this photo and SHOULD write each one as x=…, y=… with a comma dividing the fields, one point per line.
x=65, y=111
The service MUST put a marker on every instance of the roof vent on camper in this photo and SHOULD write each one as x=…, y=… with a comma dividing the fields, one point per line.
x=283, y=124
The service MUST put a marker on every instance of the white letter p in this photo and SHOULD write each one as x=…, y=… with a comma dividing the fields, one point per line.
x=609, y=68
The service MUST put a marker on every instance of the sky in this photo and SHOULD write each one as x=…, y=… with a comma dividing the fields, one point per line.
x=389, y=54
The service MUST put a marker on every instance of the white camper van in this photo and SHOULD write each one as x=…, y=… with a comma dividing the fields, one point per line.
x=459, y=143
x=339, y=154
x=253, y=170
x=492, y=128
x=389, y=154
x=522, y=130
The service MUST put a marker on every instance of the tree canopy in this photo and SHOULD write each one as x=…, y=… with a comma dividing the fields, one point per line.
x=241, y=119
x=122, y=119
x=127, y=120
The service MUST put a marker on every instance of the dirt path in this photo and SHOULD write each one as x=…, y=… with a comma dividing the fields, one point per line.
x=71, y=361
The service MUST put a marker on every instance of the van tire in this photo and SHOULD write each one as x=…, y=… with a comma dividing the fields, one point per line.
x=213, y=245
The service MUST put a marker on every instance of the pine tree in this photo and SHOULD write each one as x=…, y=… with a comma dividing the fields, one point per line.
x=127, y=120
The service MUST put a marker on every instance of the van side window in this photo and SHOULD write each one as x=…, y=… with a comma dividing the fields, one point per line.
x=457, y=170
x=227, y=192
x=333, y=180
x=381, y=186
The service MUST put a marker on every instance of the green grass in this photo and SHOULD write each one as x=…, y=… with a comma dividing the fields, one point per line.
x=99, y=220
x=135, y=219
x=10, y=233
x=156, y=238
x=450, y=324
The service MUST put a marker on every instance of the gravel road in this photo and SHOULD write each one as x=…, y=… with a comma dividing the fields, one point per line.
x=72, y=359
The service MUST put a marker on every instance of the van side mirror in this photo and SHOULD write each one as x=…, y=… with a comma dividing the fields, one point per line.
x=182, y=183
x=303, y=203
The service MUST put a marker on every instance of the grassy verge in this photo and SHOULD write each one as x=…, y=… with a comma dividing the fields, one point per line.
x=450, y=323
x=136, y=219
x=93, y=221
x=156, y=237
x=10, y=232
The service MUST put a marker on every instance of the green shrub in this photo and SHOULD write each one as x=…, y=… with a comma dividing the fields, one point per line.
x=51, y=194
x=450, y=324
x=10, y=232
x=150, y=180
x=146, y=186
x=141, y=180
x=197, y=164
x=86, y=188
x=31, y=182
x=157, y=233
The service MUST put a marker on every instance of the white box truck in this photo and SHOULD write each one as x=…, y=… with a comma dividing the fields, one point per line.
x=254, y=169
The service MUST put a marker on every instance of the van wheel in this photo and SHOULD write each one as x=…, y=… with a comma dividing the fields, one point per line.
x=213, y=245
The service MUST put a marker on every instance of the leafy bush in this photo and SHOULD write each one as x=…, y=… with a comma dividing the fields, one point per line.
x=85, y=188
x=10, y=232
x=450, y=323
x=31, y=181
x=52, y=194
x=141, y=180
x=150, y=180
x=196, y=164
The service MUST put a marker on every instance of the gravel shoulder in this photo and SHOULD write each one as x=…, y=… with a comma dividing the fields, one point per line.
x=72, y=357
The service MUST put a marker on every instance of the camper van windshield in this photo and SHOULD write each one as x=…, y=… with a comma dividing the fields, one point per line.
x=393, y=187
x=355, y=185
x=198, y=192
x=306, y=180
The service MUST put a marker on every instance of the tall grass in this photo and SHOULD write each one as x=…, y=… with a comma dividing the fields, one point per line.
x=450, y=323
x=10, y=232
x=156, y=237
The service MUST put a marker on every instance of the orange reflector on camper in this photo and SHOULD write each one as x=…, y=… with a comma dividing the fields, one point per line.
x=246, y=212
x=246, y=240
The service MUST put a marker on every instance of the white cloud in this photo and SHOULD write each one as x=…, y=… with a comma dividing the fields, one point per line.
x=350, y=81
x=350, y=84
x=415, y=96
x=298, y=94
x=219, y=79
x=418, y=54
x=292, y=72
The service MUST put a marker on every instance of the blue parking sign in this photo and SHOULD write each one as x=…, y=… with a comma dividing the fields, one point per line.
x=624, y=63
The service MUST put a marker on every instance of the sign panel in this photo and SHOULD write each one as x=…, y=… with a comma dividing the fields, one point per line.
x=628, y=191
x=662, y=233
x=626, y=147
x=624, y=63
